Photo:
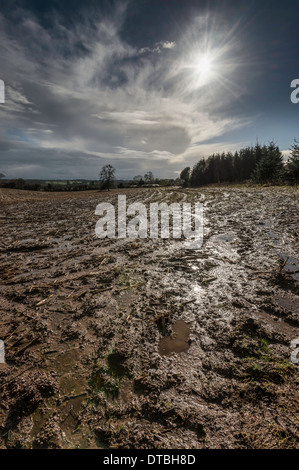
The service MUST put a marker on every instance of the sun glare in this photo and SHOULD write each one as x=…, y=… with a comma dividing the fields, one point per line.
x=203, y=69
x=204, y=66
x=206, y=63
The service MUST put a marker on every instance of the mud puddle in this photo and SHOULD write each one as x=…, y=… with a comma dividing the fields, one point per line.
x=177, y=342
x=290, y=265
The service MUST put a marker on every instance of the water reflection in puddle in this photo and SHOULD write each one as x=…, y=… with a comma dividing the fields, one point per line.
x=291, y=266
x=228, y=237
x=287, y=302
x=177, y=342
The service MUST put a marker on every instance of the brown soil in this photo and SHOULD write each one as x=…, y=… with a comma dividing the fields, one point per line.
x=82, y=320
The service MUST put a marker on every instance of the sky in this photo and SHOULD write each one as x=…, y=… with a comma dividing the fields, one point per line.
x=143, y=85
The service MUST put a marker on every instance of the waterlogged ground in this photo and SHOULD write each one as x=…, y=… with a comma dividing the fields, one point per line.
x=144, y=343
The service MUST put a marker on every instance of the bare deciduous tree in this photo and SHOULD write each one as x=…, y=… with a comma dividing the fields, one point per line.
x=107, y=176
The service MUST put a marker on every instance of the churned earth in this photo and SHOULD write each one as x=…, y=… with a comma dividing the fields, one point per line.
x=120, y=343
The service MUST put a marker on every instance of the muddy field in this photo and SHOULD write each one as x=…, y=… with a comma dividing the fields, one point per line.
x=144, y=343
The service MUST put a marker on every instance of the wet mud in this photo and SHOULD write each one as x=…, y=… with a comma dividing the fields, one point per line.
x=143, y=343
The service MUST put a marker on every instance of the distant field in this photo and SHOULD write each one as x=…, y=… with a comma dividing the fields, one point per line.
x=64, y=182
x=14, y=195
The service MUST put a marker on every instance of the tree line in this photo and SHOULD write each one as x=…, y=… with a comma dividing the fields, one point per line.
x=106, y=181
x=262, y=164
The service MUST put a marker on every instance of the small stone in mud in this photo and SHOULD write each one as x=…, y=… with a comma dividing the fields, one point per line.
x=177, y=342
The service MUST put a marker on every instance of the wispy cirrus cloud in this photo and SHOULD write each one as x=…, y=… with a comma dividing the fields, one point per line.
x=79, y=97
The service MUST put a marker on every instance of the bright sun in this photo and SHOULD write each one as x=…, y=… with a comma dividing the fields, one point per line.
x=204, y=66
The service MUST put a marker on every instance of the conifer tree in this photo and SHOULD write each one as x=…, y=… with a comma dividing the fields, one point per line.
x=293, y=164
x=270, y=166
